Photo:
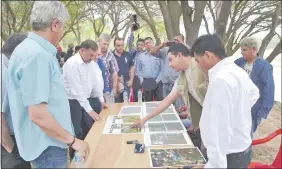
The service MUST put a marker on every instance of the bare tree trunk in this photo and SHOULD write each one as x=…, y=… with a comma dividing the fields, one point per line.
x=175, y=13
x=221, y=22
x=171, y=12
x=167, y=19
x=276, y=51
x=192, y=24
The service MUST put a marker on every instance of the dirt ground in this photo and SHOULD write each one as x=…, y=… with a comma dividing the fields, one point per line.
x=267, y=152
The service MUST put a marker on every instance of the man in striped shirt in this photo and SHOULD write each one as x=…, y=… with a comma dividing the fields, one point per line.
x=110, y=64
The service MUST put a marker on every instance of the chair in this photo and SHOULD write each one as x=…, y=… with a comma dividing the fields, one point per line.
x=277, y=161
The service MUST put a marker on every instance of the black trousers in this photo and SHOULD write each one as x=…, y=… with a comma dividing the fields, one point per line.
x=81, y=120
x=234, y=160
x=157, y=93
x=13, y=159
x=239, y=160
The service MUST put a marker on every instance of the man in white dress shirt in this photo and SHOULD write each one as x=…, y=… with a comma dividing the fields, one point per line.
x=226, y=121
x=84, y=86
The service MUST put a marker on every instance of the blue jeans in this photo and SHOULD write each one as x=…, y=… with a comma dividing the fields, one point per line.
x=187, y=123
x=52, y=157
x=166, y=90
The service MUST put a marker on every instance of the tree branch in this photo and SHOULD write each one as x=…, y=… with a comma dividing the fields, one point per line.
x=206, y=24
x=276, y=51
x=211, y=10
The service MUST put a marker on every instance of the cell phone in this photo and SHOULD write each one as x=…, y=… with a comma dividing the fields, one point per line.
x=170, y=43
x=139, y=148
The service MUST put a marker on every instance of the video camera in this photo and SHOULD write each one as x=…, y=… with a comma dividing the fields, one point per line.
x=170, y=43
x=135, y=25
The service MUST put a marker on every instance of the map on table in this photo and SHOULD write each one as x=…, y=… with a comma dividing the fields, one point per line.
x=164, y=127
x=127, y=110
x=121, y=128
x=151, y=104
x=121, y=124
x=164, y=117
x=123, y=119
x=169, y=110
x=167, y=138
x=170, y=157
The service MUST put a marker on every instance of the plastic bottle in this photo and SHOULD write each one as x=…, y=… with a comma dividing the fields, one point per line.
x=125, y=97
x=108, y=98
x=78, y=160
x=140, y=96
x=112, y=98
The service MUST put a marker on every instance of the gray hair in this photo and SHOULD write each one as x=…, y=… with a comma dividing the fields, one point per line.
x=105, y=37
x=45, y=12
x=250, y=42
x=12, y=42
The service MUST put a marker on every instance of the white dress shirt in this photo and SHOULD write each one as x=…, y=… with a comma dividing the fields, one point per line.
x=225, y=122
x=82, y=81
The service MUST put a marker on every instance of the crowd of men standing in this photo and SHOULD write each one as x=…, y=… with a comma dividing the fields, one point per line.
x=51, y=98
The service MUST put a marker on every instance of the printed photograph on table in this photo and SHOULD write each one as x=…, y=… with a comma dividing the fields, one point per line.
x=164, y=118
x=128, y=110
x=151, y=104
x=167, y=138
x=122, y=129
x=164, y=126
x=119, y=119
x=172, y=157
x=169, y=110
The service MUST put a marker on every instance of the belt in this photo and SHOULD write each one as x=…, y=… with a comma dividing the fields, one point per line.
x=168, y=84
x=242, y=152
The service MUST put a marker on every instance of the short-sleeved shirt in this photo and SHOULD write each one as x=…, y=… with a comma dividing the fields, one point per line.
x=111, y=66
x=8, y=117
x=34, y=77
x=125, y=61
x=169, y=75
x=149, y=66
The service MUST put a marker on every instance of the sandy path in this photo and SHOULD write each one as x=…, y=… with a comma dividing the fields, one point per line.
x=268, y=151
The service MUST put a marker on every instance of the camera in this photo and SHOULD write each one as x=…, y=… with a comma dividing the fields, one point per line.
x=170, y=43
x=135, y=24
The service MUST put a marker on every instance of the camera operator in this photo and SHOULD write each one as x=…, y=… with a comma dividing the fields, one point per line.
x=135, y=52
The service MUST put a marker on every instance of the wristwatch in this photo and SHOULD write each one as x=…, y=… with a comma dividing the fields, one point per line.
x=70, y=145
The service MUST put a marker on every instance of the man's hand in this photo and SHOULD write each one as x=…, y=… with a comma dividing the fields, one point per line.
x=164, y=44
x=104, y=105
x=94, y=115
x=120, y=79
x=138, y=124
x=82, y=147
x=183, y=115
x=9, y=148
x=115, y=92
x=182, y=108
x=129, y=83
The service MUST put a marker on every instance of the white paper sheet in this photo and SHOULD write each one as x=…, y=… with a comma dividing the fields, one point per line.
x=167, y=138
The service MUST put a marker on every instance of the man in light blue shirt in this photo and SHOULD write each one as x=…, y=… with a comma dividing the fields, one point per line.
x=148, y=70
x=9, y=151
x=38, y=101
